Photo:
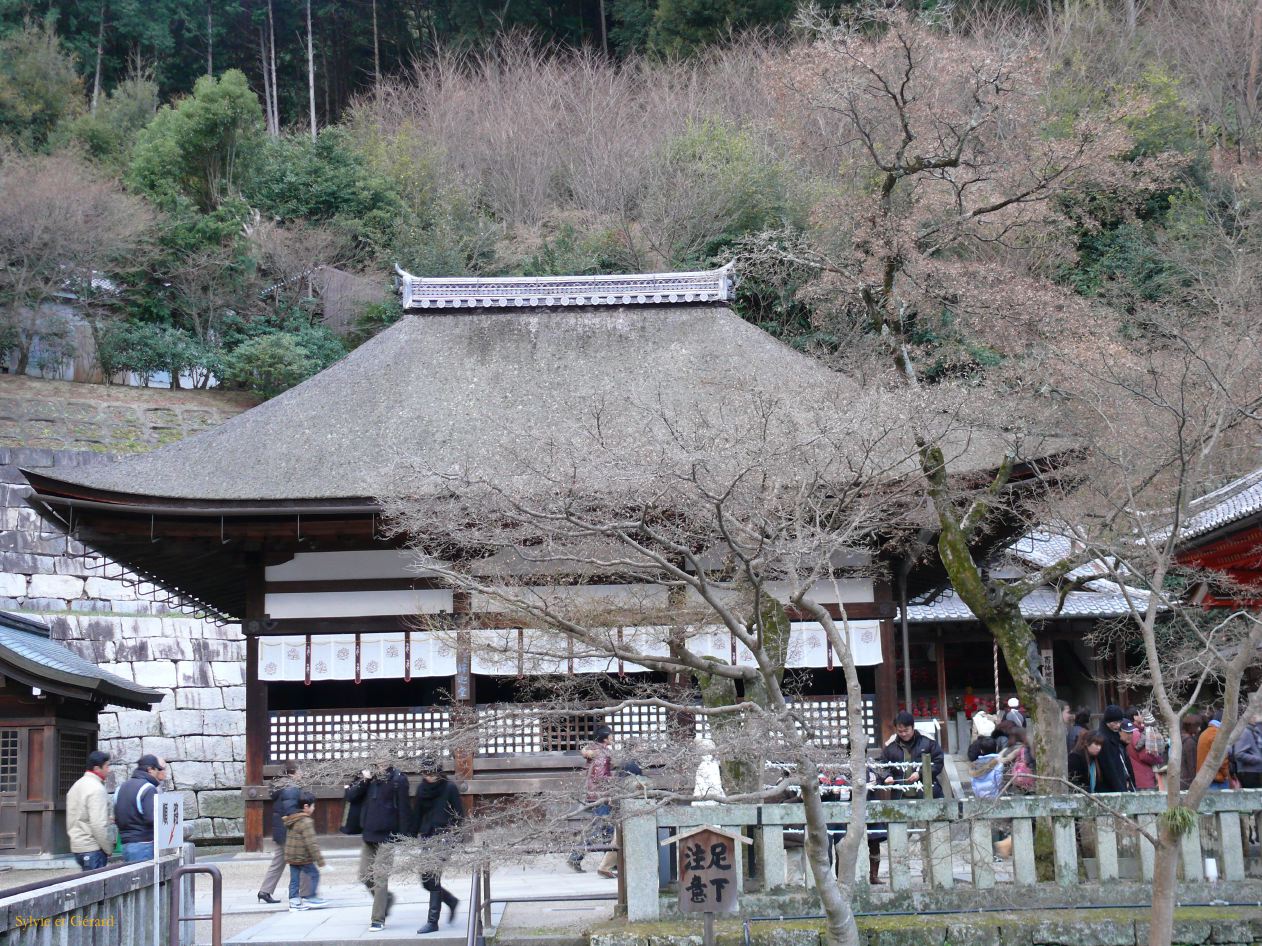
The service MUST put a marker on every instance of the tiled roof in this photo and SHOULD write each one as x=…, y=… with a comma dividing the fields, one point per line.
x=27, y=646
x=520, y=292
x=1235, y=501
x=1041, y=604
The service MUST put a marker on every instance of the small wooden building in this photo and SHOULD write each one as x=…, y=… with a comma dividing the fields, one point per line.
x=1224, y=536
x=272, y=518
x=49, y=700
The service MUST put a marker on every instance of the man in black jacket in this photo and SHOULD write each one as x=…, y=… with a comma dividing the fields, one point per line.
x=908, y=745
x=1115, y=765
x=284, y=802
x=382, y=796
x=438, y=811
x=133, y=809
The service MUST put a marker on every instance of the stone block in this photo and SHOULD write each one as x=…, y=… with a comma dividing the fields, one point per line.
x=228, y=673
x=55, y=586
x=193, y=673
x=12, y=586
x=219, y=748
x=221, y=804
x=125, y=753
x=136, y=723
x=234, y=698
x=198, y=698
x=178, y=722
x=199, y=829
x=109, y=589
x=164, y=747
x=1082, y=933
x=193, y=775
x=123, y=670
x=155, y=673
x=223, y=722
x=218, y=650
x=229, y=774
x=133, y=607
x=90, y=606
x=229, y=827
x=154, y=648
x=43, y=604
x=95, y=629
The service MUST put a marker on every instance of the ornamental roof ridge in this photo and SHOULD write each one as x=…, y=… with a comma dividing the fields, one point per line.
x=475, y=292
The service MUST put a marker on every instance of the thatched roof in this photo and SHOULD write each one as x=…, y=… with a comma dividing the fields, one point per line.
x=479, y=387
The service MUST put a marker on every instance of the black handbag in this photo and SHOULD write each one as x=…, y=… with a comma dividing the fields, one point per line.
x=353, y=818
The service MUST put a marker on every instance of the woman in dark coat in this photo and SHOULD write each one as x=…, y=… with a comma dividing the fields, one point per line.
x=438, y=811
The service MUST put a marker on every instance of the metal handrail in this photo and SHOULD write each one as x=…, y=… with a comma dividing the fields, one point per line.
x=216, y=904
x=480, y=901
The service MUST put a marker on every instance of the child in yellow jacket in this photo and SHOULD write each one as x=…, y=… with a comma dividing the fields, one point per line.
x=302, y=853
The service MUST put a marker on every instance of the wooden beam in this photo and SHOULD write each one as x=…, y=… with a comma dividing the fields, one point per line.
x=256, y=719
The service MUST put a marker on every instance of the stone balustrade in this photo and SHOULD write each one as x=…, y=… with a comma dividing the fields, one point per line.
x=940, y=853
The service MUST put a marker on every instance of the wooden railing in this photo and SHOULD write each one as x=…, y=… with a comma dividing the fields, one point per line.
x=941, y=851
x=111, y=905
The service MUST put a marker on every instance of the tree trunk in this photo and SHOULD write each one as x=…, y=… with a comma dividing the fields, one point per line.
x=376, y=48
x=210, y=41
x=267, y=83
x=100, y=53
x=604, y=31
x=311, y=72
x=834, y=895
x=271, y=48
x=1165, y=887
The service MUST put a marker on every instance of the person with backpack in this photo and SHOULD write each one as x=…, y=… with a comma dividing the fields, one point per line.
x=1021, y=769
x=133, y=808
x=378, y=799
x=987, y=770
x=303, y=855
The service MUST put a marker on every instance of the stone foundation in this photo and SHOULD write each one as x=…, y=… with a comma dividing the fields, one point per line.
x=112, y=617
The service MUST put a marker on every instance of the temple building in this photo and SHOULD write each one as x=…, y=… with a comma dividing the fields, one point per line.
x=273, y=518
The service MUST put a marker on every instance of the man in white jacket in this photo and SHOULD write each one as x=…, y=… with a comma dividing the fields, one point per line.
x=88, y=814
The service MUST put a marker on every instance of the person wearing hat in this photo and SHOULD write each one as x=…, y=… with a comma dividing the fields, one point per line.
x=1116, y=774
x=596, y=792
x=438, y=811
x=133, y=808
x=1014, y=714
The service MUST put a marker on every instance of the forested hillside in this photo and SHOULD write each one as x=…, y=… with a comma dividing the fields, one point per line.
x=161, y=165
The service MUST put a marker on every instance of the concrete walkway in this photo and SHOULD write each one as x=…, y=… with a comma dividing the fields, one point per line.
x=345, y=920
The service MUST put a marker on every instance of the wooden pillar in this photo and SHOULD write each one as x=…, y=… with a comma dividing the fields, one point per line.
x=940, y=653
x=886, y=672
x=257, y=724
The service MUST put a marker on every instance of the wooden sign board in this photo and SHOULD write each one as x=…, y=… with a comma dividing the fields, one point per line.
x=708, y=881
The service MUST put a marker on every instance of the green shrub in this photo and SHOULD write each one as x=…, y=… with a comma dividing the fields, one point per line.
x=268, y=364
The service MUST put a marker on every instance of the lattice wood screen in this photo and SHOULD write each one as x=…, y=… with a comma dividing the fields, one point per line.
x=8, y=760
x=509, y=729
x=71, y=758
x=334, y=734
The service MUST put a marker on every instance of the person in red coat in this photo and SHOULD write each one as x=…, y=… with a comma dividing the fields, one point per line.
x=1142, y=760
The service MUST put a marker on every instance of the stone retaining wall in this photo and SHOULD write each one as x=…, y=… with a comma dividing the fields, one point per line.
x=113, y=617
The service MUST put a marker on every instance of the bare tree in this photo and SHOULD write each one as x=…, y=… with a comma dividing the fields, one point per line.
x=61, y=224
x=947, y=203
x=311, y=72
x=706, y=523
x=1164, y=434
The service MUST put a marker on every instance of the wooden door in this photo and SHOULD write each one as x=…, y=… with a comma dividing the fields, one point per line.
x=10, y=788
